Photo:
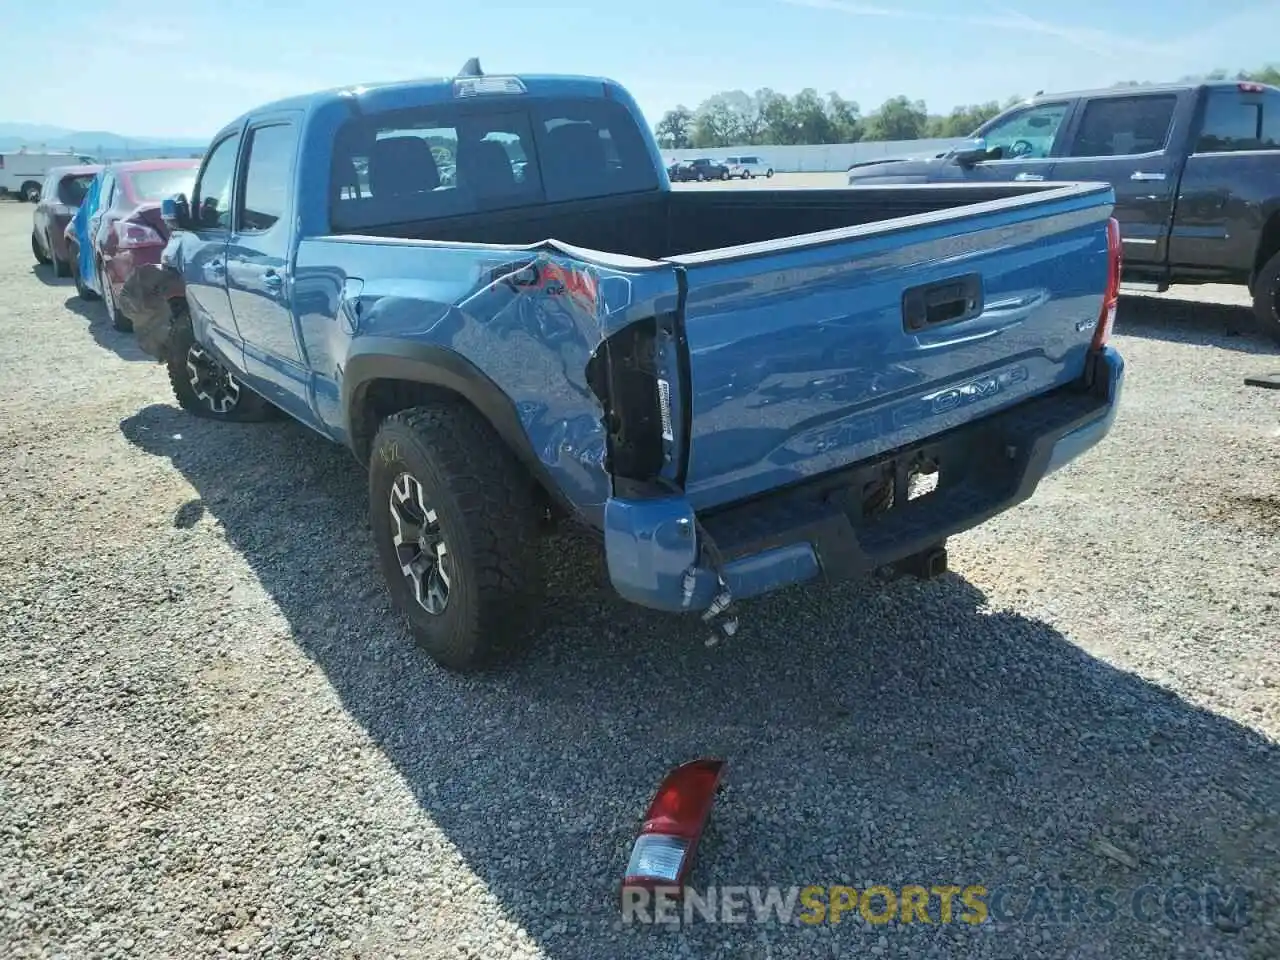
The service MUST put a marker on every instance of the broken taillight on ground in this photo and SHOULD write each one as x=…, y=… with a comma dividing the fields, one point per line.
x=664, y=850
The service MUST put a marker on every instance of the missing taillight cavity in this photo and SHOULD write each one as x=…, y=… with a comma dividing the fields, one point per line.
x=132, y=235
x=623, y=373
x=921, y=484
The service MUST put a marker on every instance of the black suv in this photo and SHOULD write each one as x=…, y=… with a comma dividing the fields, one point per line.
x=700, y=169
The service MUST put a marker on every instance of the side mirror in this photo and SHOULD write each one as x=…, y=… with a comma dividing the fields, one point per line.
x=175, y=211
x=974, y=151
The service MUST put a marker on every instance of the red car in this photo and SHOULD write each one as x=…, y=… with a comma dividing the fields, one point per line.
x=127, y=230
x=60, y=196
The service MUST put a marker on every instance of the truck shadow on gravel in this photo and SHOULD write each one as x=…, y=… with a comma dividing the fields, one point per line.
x=104, y=335
x=1224, y=325
x=875, y=733
x=44, y=273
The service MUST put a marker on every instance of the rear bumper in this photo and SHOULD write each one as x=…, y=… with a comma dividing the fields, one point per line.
x=818, y=528
x=124, y=265
x=146, y=298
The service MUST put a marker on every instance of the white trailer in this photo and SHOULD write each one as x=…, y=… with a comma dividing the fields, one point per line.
x=23, y=171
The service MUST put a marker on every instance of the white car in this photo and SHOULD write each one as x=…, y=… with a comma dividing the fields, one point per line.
x=23, y=171
x=748, y=167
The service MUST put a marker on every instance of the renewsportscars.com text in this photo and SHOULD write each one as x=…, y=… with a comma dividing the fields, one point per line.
x=972, y=905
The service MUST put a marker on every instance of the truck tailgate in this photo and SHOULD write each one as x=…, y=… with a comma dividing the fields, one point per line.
x=815, y=352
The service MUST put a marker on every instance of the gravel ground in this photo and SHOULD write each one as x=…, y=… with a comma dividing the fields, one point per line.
x=218, y=740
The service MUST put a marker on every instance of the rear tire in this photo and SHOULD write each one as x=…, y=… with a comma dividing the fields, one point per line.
x=1266, y=297
x=769, y=173
x=205, y=388
x=41, y=257
x=118, y=320
x=466, y=571
x=31, y=192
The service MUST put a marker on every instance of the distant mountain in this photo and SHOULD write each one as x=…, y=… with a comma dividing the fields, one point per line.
x=31, y=131
x=100, y=144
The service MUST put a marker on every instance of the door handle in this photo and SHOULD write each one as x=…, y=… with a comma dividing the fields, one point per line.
x=1141, y=175
x=1028, y=176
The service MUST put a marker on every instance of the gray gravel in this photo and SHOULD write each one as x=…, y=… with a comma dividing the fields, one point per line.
x=218, y=740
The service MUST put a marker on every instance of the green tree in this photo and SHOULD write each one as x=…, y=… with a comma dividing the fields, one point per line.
x=962, y=121
x=845, y=119
x=672, y=131
x=898, y=119
x=716, y=123
x=777, y=117
x=812, y=123
x=768, y=117
x=1268, y=74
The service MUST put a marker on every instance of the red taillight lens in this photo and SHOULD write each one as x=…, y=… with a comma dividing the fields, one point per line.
x=131, y=235
x=1110, y=299
x=1251, y=87
x=663, y=852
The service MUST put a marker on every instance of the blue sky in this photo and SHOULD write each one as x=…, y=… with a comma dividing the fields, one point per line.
x=143, y=67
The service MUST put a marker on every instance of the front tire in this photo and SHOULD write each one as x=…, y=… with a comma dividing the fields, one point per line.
x=1266, y=297
x=455, y=521
x=31, y=192
x=203, y=386
x=769, y=173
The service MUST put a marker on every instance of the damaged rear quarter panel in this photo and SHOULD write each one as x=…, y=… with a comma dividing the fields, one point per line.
x=527, y=318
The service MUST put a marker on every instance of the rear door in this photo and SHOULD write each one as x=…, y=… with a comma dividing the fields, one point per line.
x=1126, y=141
x=260, y=263
x=1231, y=182
x=815, y=352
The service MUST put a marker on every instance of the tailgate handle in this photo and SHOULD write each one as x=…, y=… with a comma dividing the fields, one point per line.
x=939, y=304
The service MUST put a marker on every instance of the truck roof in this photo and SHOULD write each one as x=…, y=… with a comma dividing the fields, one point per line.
x=390, y=95
x=1145, y=89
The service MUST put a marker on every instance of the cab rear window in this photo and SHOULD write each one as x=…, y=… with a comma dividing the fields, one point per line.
x=1236, y=121
x=448, y=161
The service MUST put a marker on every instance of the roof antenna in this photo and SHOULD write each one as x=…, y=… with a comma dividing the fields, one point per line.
x=471, y=68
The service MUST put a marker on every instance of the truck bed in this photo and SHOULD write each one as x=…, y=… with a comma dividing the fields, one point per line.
x=789, y=333
x=660, y=225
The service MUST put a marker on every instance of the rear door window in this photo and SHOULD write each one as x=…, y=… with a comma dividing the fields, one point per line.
x=267, y=177
x=1120, y=126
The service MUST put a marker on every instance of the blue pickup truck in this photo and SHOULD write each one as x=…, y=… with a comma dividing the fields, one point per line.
x=737, y=389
